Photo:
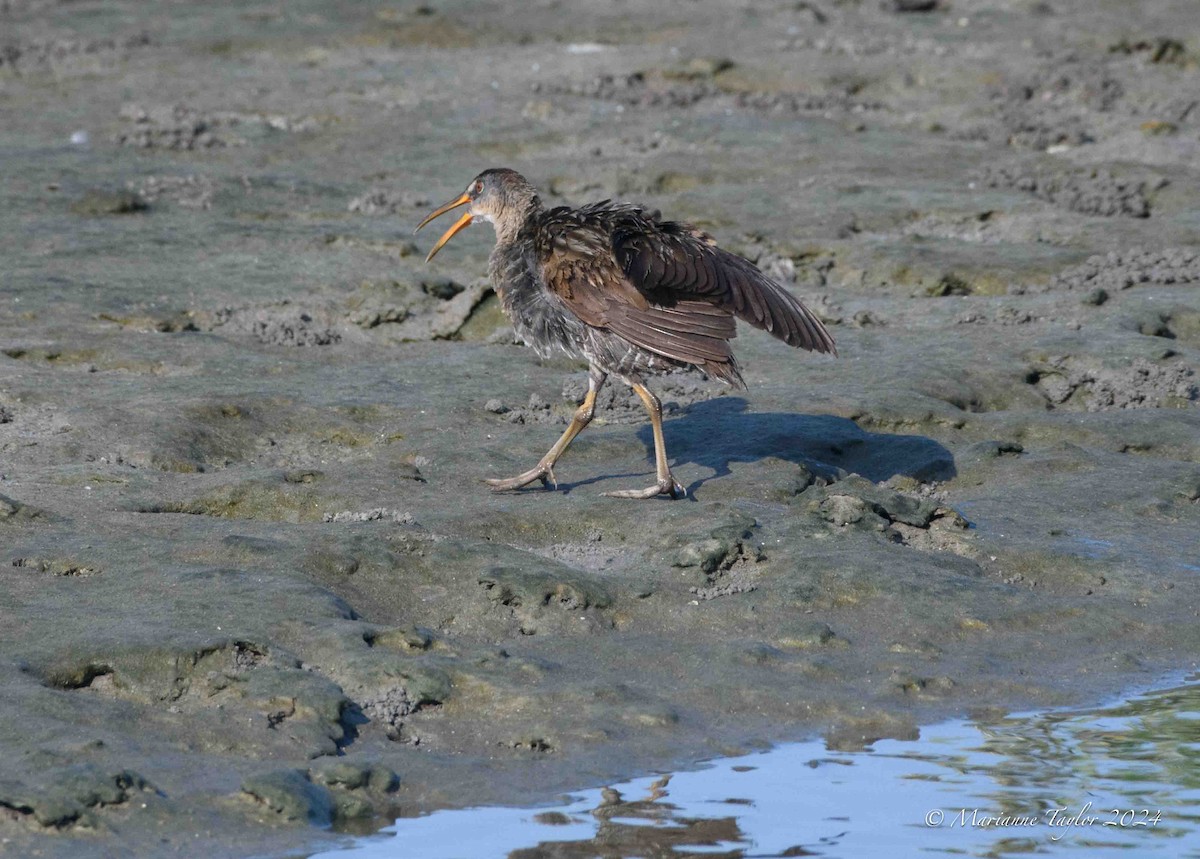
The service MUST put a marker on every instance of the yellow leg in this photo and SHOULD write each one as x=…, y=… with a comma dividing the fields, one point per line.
x=544, y=470
x=666, y=483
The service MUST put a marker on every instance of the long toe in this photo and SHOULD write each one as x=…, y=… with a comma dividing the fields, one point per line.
x=669, y=487
x=544, y=474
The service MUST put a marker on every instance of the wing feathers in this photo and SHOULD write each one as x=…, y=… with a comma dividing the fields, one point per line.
x=665, y=286
x=666, y=335
x=765, y=304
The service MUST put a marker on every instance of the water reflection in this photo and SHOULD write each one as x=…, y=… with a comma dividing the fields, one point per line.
x=652, y=827
x=1119, y=780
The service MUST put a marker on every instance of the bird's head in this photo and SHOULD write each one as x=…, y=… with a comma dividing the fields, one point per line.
x=498, y=195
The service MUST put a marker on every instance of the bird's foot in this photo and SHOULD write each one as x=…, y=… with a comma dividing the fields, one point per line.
x=542, y=472
x=665, y=486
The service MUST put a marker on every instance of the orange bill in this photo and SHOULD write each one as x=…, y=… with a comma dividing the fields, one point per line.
x=464, y=221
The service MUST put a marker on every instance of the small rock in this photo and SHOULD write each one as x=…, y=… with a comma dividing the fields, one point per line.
x=843, y=510
x=402, y=638
x=99, y=202
x=705, y=554
x=341, y=773
x=910, y=5
x=442, y=288
x=700, y=68
x=13, y=509
x=290, y=794
x=806, y=635
x=351, y=807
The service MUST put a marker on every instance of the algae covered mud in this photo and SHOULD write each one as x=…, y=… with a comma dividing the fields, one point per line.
x=252, y=591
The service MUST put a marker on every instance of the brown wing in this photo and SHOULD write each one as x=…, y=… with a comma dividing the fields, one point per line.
x=579, y=267
x=669, y=261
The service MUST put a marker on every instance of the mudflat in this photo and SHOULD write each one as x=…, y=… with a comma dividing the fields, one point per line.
x=253, y=592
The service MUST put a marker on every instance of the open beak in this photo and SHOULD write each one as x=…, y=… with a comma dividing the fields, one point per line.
x=464, y=221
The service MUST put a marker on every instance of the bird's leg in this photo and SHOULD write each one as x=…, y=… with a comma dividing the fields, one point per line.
x=544, y=470
x=666, y=484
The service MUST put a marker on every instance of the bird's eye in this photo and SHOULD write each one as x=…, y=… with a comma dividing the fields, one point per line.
x=478, y=187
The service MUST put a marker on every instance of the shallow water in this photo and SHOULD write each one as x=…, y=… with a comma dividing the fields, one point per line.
x=1116, y=780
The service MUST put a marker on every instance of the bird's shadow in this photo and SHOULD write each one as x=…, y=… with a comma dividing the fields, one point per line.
x=715, y=433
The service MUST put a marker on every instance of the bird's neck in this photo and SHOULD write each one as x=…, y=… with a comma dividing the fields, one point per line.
x=514, y=217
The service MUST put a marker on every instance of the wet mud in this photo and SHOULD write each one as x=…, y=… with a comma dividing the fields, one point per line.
x=253, y=593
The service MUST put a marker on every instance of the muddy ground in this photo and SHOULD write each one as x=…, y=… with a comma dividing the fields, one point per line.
x=251, y=583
